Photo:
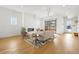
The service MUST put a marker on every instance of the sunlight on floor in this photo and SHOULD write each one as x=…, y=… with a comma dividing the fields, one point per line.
x=13, y=44
x=68, y=41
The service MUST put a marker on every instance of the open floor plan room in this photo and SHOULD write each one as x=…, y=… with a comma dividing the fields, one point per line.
x=39, y=29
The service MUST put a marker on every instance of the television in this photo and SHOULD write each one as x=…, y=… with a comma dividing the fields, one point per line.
x=30, y=29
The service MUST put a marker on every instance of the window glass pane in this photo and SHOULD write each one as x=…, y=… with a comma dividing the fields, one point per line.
x=13, y=20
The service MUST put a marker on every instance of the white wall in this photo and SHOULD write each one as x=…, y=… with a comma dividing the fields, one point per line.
x=31, y=22
x=60, y=24
x=6, y=29
x=78, y=25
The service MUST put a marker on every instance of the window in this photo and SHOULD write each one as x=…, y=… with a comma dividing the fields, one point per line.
x=13, y=20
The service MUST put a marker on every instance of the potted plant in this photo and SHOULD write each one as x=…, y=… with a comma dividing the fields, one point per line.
x=23, y=32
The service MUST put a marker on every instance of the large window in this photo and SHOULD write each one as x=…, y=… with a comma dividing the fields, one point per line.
x=13, y=20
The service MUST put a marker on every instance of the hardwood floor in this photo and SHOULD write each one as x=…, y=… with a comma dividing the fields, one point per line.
x=65, y=43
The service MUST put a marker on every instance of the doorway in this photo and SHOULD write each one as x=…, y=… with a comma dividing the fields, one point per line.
x=68, y=26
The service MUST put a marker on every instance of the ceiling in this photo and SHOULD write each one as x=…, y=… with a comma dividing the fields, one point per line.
x=42, y=10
